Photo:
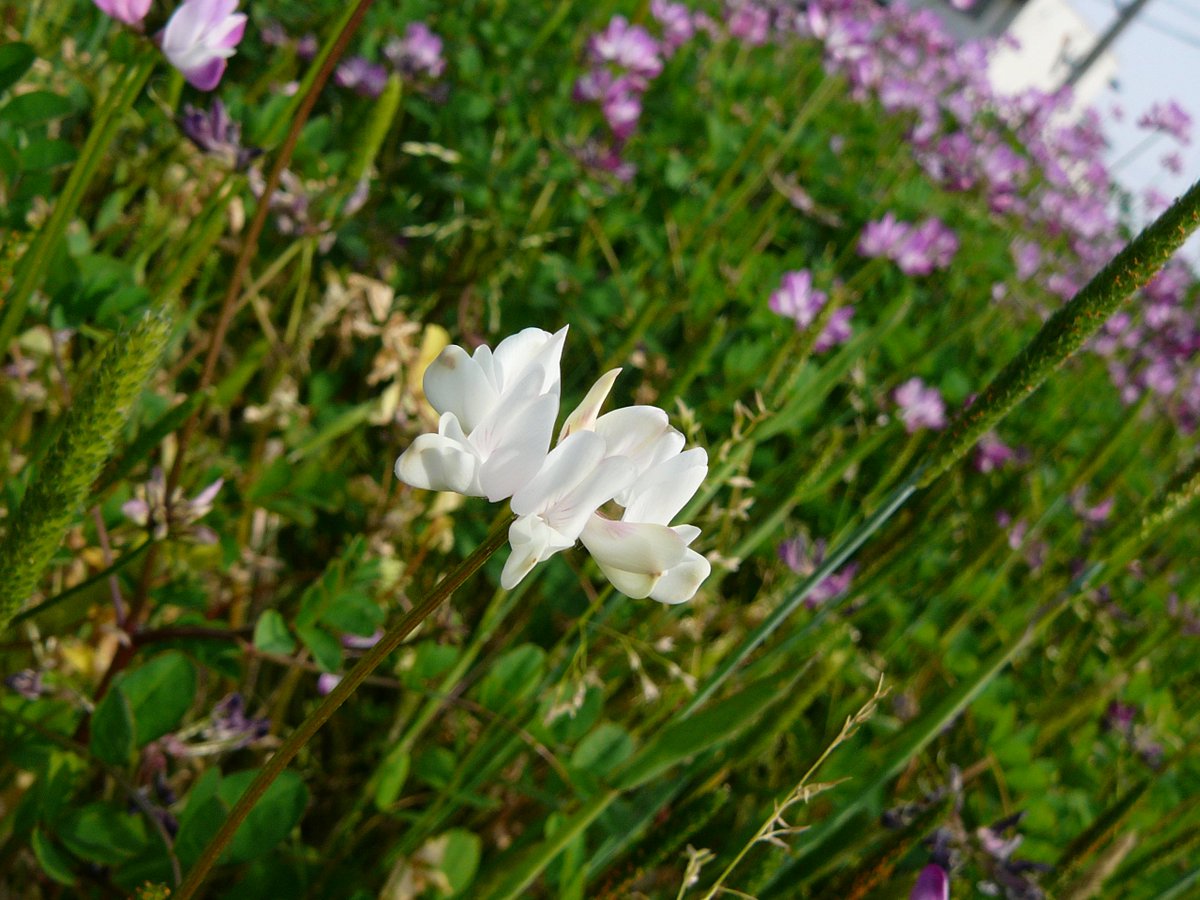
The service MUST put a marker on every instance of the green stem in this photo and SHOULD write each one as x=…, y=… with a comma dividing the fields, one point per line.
x=35, y=262
x=339, y=695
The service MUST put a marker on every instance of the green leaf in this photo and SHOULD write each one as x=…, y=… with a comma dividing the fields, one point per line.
x=460, y=858
x=271, y=819
x=50, y=153
x=514, y=676
x=35, y=108
x=101, y=834
x=160, y=694
x=15, y=60
x=53, y=861
x=605, y=748
x=390, y=777
x=271, y=633
x=325, y=648
x=112, y=728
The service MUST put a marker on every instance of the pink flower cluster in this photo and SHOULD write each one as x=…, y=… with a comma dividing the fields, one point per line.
x=416, y=57
x=916, y=249
x=799, y=301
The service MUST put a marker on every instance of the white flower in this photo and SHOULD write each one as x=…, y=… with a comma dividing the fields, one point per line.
x=497, y=417
x=576, y=478
x=200, y=36
x=641, y=553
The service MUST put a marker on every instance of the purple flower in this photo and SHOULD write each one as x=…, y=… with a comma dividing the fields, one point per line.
x=803, y=557
x=797, y=299
x=1092, y=515
x=1028, y=257
x=629, y=46
x=933, y=883
x=214, y=132
x=991, y=453
x=1169, y=118
x=27, y=683
x=417, y=53
x=365, y=78
x=200, y=36
x=928, y=247
x=920, y=406
x=1120, y=717
x=882, y=237
x=837, y=330
x=1173, y=163
x=676, y=21
x=622, y=107
x=749, y=23
x=131, y=12
x=326, y=682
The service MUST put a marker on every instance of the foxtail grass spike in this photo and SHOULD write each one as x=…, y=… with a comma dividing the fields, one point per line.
x=1067, y=330
x=60, y=487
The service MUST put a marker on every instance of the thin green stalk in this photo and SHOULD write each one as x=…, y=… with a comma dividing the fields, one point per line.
x=339, y=695
x=35, y=262
x=63, y=481
x=1067, y=330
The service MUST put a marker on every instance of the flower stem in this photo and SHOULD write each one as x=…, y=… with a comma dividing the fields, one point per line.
x=341, y=692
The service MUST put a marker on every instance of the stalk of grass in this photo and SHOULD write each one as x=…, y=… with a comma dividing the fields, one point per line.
x=35, y=262
x=60, y=488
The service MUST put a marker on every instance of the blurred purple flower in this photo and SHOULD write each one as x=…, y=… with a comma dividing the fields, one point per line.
x=326, y=682
x=200, y=36
x=27, y=683
x=417, y=53
x=214, y=132
x=750, y=23
x=882, y=237
x=1169, y=118
x=837, y=330
x=1173, y=163
x=677, y=25
x=920, y=406
x=928, y=247
x=932, y=884
x=365, y=78
x=803, y=557
x=131, y=12
x=797, y=299
x=629, y=46
x=1028, y=258
x=991, y=453
x=1120, y=717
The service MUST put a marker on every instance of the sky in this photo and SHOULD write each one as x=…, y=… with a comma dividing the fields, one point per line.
x=1158, y=59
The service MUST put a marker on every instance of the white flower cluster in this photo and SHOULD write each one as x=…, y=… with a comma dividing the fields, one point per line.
x=498, y=410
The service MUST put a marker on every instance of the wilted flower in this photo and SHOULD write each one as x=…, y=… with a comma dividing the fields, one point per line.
x=131, y=12
x=920, y=406
x=150, y=509
x=200, y=36
x=226, y=728
x=214, y=132
x=417, y=53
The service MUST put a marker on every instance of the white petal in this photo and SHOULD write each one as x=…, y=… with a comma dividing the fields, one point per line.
x=662, y=491
x=679, y=584
x=522, y=439
x=528, y=537
x=633, y=547
x=641, y=433
x=687, y=532
x=634, y=585
x=530, y=349
x=572, y=510
x=455, y=383
x=584, y=416
x=437, y=463
x=564, y=467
